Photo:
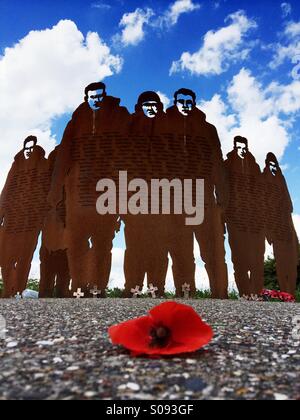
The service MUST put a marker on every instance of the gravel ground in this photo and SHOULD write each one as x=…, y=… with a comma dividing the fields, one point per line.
x=59, y=349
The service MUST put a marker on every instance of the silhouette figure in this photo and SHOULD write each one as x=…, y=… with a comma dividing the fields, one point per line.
x=199, y=156
x=54, y=270
x=280, y=231
x=22, y=211
x=245, y=218
x=146, y=247
x=180, y=237
x=87, y=155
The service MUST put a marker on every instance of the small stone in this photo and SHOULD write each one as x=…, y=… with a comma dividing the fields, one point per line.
x=12, y=344
x=45, y=343
x=281, y=397
x=133, y=387
x=90, y=394
x=73, y=368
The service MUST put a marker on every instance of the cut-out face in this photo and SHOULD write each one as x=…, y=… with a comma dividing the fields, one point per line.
x=95, y=99
x=150, y=109
x=273, y=168
x=241, y=150
x=185, y=104
x=28, y=149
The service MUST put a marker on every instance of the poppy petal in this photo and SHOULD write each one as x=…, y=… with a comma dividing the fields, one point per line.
x=133, y=335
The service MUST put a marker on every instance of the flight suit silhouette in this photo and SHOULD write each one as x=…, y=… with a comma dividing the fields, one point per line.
x=146, y=241
x=22, y=211
x=86, y=156
x=280, y=230
x=245, y=222
x=180, y=236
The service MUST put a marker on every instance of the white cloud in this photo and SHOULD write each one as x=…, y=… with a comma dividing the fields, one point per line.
x=289, y=49
x=219, y=48
x=133, y=25
x=296, y=218
x=286, y=9
x=164, y=98
x=256, y=115
x=42, y=77
x=175, y=10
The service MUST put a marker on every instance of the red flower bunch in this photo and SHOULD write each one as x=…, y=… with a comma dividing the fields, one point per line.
x=169, y=329
x=270, y=295
x=286, y=297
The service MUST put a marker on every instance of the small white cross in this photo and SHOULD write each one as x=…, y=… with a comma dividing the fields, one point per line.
x=95, y=292
x=79, y=294
x=18, y=296
x=136, y=292
x=152, y=290
x=186, y=288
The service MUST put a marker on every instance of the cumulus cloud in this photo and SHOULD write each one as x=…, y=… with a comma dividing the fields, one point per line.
x=262, y=115
x=289, y=48
x=42, y=77
x=175, y=10
x=133, y=26
x=219, y=49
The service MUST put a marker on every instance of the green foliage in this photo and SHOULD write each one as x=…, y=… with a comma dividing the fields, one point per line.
x=271, y=281
x=114, y=293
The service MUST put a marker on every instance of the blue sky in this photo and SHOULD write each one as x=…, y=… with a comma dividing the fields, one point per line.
x=146, y=65
x=254, y=72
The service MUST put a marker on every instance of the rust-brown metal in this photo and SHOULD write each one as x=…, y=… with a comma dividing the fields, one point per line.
x=245, y=218
x=87, y=154
x=57, y=196
x=280, y=231
x=54, y=269
x=22, y=207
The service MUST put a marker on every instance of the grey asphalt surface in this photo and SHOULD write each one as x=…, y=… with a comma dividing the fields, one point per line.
x=59, y=349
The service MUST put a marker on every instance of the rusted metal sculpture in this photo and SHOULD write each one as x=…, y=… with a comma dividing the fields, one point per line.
x=22, y=211
x=146, y=246
x=54, y=270
x=103, y=139
x=87, y=155
x=245, y=218
x=197, y=155
x=280, y=230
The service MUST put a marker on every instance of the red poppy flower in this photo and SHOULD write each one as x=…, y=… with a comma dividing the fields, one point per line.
x=170, y=329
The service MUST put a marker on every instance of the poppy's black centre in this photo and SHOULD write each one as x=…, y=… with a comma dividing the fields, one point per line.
x=160, y=336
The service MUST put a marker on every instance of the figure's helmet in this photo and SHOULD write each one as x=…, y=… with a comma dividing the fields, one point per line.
x=150, y=104
x=272, y=164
